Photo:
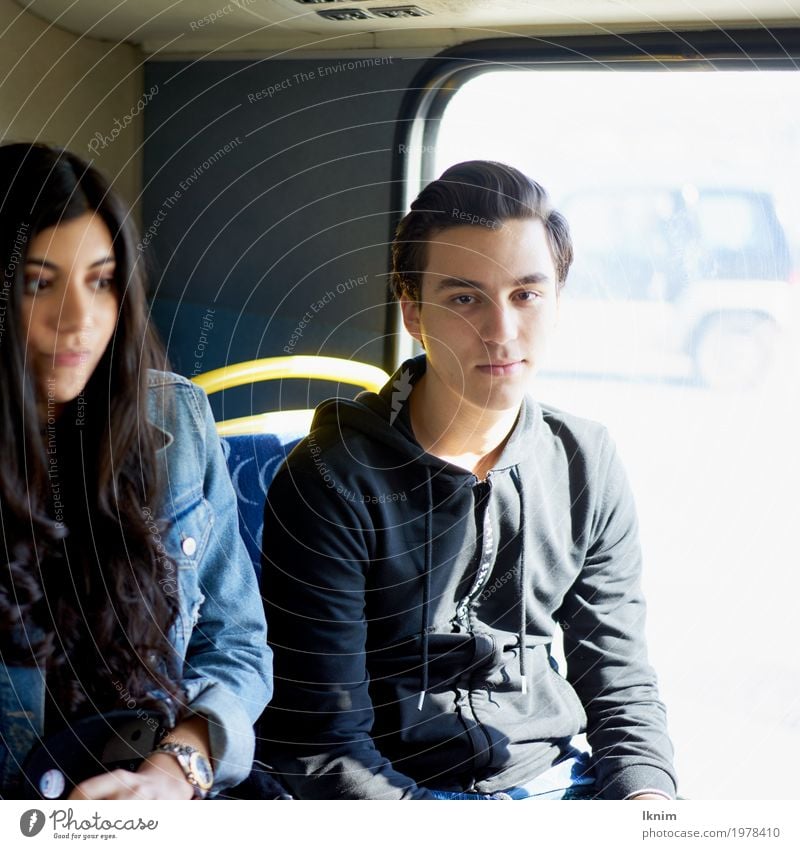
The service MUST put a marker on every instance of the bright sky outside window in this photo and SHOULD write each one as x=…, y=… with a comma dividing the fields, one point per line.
x=680, y=330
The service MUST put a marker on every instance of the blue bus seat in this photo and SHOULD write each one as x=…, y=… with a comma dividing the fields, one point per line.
x=257, y=444
x=253, y=459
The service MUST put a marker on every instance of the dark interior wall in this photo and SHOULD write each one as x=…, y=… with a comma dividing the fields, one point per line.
x=267, y=210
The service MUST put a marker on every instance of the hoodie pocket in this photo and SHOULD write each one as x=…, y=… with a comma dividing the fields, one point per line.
x=568, y=696
x=550, y=709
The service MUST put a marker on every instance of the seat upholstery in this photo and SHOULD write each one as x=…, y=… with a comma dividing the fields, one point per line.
x=253, y=460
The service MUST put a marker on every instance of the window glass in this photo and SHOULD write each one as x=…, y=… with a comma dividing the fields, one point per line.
x=680, y=330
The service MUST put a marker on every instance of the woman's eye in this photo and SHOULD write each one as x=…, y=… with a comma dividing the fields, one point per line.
x=32, y=285
x=103, y=283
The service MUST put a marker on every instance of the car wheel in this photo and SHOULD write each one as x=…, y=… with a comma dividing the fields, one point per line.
x=735, y=351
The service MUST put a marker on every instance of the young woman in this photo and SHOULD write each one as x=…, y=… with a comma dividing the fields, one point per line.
x=123, y=580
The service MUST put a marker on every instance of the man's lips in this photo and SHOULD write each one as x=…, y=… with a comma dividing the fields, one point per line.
x=502, y=369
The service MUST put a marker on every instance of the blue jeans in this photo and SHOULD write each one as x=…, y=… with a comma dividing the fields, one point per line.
x=569, y=778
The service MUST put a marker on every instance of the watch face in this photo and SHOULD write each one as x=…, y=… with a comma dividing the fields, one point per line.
x=202, y=770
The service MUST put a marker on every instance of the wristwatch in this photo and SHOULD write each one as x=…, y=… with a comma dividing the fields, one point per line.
x=194, y=764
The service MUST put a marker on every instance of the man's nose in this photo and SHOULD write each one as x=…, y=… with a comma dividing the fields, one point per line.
x=500, y=324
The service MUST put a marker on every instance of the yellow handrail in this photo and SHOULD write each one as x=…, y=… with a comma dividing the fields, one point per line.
x=291, y=422
x=276, y=368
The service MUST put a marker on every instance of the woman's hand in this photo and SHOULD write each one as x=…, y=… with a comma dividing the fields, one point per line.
x=159, y=777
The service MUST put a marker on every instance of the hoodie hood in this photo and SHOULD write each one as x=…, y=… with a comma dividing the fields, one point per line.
x=384, y=417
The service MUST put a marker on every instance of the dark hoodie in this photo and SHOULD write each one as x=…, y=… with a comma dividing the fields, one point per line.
x=399, y=588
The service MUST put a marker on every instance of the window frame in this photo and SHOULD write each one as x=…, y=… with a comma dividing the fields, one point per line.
x=440, y=79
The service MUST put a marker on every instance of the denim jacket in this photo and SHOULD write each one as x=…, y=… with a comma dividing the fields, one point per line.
x=220, y=633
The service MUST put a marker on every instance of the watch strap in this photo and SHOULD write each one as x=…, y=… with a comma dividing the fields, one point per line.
x=183, y=754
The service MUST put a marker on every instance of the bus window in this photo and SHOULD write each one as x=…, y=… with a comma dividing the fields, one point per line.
x=679, y=329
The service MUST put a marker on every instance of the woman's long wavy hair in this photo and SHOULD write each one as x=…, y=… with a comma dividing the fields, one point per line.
x=82, y=584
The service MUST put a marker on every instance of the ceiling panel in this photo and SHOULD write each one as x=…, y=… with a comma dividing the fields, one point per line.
x=213, y=27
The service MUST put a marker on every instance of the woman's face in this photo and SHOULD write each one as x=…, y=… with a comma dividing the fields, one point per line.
x=69, y=306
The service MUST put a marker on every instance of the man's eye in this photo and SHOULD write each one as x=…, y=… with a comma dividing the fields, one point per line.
x=529, y=295
x=464, y=299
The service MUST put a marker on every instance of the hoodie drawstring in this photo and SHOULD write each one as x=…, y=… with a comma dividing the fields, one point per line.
x=426, y=590
x=523, y=511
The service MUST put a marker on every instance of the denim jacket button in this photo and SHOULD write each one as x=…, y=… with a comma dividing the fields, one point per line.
x=189, y=546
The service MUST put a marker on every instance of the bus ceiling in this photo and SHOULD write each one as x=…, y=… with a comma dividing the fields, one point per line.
x=306, y=27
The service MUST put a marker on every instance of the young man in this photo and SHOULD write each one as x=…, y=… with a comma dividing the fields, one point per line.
x=423, y=546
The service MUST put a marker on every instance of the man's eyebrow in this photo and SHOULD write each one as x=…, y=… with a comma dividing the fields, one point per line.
x=462, y=283
x=533, y=279
x=457, y=283
x=32, y=260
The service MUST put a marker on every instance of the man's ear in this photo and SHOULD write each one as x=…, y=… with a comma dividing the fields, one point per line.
x=410, y=310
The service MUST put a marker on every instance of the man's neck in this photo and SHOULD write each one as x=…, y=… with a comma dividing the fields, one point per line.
x=470, y=437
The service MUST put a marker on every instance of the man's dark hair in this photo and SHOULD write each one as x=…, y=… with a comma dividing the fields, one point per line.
x=478, y=193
